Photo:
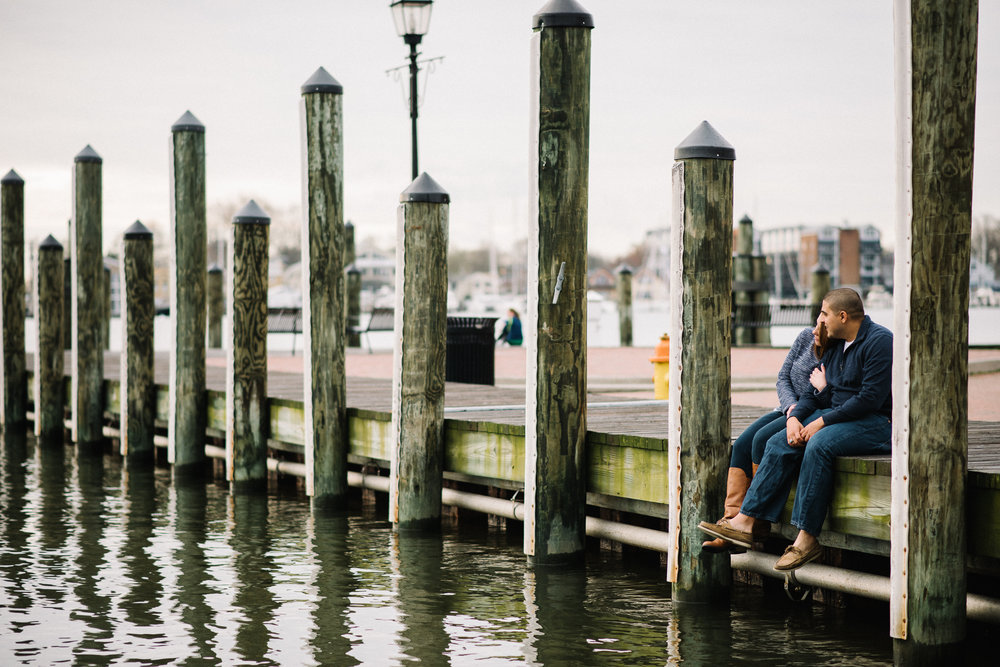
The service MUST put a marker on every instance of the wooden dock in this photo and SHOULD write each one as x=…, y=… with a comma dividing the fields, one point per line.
x=626, y=450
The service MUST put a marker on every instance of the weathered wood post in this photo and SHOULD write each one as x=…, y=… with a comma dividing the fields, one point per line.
x=87, y=398
x=625, y=306
x=700, y=302
x=762, y=300
x=105, y=306
x=417, y=460
x=323, y=305
x=353, y=287
x=216, y=306
x=556, y=389
x=935, y=126
x=67, y=319
x=188, y=410
x=138, y=391
x=247, y=416
x=744, y=311
x=50, y=400
x=14, y=387
x=818, y=288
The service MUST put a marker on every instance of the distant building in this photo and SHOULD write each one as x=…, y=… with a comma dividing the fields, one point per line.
x=377, y=270
x=852, y=255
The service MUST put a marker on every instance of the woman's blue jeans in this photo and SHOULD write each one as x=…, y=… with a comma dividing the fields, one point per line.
x=815, y=465
x=749, y=447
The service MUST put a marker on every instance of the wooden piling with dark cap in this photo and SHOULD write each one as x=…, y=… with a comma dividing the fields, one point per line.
x=700, y=304
x=936, y=42
x=67, y=319
x=818, y=287
x=556, y=388
x=86, y=244
x=247, y=416
x=14, y=387
x=105, y=306
x=188, y=410
x=323, y=292
x=353, y=288
x=137, y=396
x=216, y=306
x=624, y=289
x=417, y=461
x=744, y=287
x=50, y=400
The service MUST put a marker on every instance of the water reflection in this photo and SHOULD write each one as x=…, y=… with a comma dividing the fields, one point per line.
x=103, y=565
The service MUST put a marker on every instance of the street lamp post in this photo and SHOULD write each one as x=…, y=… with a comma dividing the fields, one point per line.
x=412, y=18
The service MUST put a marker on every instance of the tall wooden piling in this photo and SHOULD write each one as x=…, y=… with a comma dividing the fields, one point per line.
x=67, y=319
x=556, y=392
x=49, y=359
x=743, y=286
x=188, y=410
x=353, y=287
x=216, y=306
x=818, y=288
x=935, y=112
x=323, y=291
x=14, y=387
x=105, y=307
x=87, y=399
x=700, y=298
x=417, y=460
x=624, y=289
x=137, y=397
x=762, y=300
x=247, y=416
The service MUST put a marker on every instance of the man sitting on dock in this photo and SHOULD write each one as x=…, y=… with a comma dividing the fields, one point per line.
x=850, y=417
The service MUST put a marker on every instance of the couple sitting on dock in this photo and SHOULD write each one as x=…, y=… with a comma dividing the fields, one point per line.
x=836, y=400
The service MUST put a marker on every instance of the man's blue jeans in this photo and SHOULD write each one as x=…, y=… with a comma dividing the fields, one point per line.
x=769, y=489
x=749, y=447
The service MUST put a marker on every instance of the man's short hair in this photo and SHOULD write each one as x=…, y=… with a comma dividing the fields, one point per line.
x=847, y=300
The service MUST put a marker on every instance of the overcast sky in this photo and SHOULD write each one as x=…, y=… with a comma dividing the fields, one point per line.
x=803, y=91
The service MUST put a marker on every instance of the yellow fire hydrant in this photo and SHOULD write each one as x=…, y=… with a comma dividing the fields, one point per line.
x=661, y=368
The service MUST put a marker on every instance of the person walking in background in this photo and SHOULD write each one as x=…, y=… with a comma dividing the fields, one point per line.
x=794, y=380
x=512, y=329
x=850, y=417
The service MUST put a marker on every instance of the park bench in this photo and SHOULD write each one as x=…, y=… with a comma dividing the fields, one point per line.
x=381, y=319
x=285, y=320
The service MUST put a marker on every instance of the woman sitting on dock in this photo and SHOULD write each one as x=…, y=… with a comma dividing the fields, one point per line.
x=793, y=381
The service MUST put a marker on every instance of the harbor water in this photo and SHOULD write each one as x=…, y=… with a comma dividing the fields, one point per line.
x=100, y=565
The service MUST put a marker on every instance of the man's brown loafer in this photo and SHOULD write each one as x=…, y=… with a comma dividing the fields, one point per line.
x=795, y=558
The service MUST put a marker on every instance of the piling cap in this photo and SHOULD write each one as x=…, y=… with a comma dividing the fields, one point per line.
x=624, y=268
x=746, y=220
x=352, y=269
x=138, y=231
x=251, y=214
x=50, y=243
x=424, y=188
x=88, y=154
x=705, y=142
x=215, y=268
x=820, y=268
x=562, y=14
x=187, y=123
x=322, y=82
x=11, y=178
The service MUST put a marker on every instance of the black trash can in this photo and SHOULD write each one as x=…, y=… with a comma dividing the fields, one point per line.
x=469, y=356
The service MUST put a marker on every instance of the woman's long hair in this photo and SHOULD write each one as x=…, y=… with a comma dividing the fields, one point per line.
x=820, y=347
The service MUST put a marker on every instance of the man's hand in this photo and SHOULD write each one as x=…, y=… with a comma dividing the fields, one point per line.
x=810, y=429
x=818, y=378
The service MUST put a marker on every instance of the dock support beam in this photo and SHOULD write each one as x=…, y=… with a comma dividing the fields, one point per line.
x=87, y=398
x=935, y=116
x=188, y=411
x=50, y=400
x=137, y=395
x=700, y=304
x=555, y=484
x=417, y=456
x=15, y=379
x=625, y=306
x=323, y=303
x=247, y=418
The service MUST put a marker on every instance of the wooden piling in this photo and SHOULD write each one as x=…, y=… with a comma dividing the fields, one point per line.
x=417, y=460
x=625, y=306
x=556, y=391
x=67, y=318
x=744, y=287
x=216, y=306
x=818, y=288
x=105, y=306
x=323, y=292
x=14, y=387
x=50, y=400
x=246, y=351
x=87, y=395
x=188, y=410
x=137, y=402
x=935, y=111
x=700, y=301
x=761, y=300
x=353, y=288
